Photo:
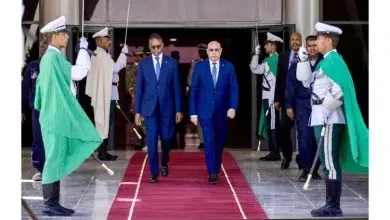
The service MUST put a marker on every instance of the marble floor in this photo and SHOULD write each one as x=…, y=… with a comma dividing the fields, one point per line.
x=90, y=190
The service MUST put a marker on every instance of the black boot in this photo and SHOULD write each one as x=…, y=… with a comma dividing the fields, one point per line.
x=304, y=175
x=332, y=206
x=51, y=197
x=103, y=154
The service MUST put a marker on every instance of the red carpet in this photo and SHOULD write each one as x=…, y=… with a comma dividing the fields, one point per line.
x=185, y=193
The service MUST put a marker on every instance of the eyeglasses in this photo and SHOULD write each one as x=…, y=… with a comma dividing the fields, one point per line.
x=214, y=49
x=156, y=47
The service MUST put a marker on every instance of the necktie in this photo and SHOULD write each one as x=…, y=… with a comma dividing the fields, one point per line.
x=158, y=67
x=214, y=73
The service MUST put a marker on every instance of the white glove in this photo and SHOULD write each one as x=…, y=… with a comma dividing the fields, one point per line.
x=257, y=49
x=125, y=49
x=302, y=53
x=83, y=43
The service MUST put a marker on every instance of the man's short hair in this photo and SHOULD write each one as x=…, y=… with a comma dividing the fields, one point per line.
x=311, y=38
x=155, y=36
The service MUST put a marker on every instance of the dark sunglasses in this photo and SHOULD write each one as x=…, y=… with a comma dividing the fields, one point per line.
x=156, y=47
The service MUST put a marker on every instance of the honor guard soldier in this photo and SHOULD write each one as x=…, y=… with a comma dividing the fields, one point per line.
x=68, y=134
x=268, y=69
x=131, y=76
x=102, y=87
x=335, y=108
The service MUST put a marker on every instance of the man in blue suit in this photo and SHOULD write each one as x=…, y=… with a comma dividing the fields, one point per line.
x=213, y=99
x=157, y=98
x=298, y=106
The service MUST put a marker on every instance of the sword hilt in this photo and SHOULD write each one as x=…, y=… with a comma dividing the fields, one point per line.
x=88, y=50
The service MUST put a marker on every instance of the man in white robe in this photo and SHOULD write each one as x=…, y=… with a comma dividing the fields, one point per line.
x=102, y=87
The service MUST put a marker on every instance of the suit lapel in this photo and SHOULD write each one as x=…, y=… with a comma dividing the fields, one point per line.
x=164, y=62
x=221, y=71
x=207, y=65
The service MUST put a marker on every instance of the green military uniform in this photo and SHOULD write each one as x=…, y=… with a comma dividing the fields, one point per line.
x=335, y=107
x=189, y=78
x=131, y=76
x=131, y=71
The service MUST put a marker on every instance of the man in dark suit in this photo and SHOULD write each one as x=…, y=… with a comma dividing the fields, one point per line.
x=157, y=99
x=283, y=137
x=213, y=99
x=298, y=107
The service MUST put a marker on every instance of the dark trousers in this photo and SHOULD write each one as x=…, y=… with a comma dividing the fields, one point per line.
x=214, y=134
x=282, y=133
x=180, y=129
x=306, y=139
x=38, y=151
x=103, y=147
x=157, y=125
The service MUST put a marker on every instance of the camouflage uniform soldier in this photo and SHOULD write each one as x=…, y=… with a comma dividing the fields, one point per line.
x=131, y=75
x=202, y=52
x=131, y=72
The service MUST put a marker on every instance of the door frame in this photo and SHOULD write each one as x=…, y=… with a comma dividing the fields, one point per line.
x=287, y=28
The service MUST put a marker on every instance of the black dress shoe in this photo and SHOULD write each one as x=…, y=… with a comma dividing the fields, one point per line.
x=106, y=157
x=316, y=176
x=112, y=156
x=213, y=178
x=56, y=210
x=303, y=176
x=271, y=157
x=164, y=170
x=285, y=164
x=154, y=179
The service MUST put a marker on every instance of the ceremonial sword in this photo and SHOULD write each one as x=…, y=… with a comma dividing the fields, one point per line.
x=306, y=186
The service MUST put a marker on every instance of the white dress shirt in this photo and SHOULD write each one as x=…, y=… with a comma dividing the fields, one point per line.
x=155, y=61
x=212, y=66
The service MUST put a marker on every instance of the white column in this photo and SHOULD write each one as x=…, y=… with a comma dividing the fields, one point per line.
x=304, y=14
x=54, y=9
x=51, y=10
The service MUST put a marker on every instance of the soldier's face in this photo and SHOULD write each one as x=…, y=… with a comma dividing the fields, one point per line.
x=322, y=43
x=60, y=39
x=138, y=57
x=156, y=46
x=105, y=43
x=269, y=48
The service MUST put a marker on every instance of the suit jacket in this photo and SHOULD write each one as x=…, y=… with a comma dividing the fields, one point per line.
x=205, y=99
x=166, y=90
x=281, y=77
x=294, y=87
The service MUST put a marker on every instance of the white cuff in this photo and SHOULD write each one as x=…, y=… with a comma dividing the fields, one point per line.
x=193, y=116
